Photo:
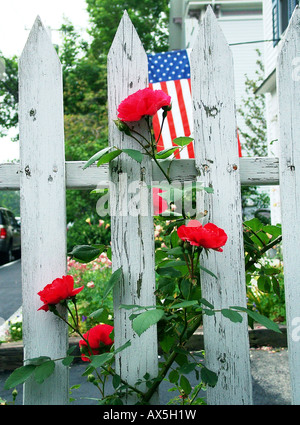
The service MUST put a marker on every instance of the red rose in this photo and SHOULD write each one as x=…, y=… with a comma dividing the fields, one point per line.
x=208, y=236
x=143, y=102
x=98, y=339
x=159, y=204
x=60, y=289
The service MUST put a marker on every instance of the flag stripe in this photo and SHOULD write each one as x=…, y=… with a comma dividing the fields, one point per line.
x=170, y=72
x=170, y=120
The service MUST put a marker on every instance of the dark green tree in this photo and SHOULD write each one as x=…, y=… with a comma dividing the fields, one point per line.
x=149, y=17
x=8, y=94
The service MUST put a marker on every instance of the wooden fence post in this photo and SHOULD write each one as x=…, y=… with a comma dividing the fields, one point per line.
x=217, y=162
x=42, y=191
x=288, y=84
x=132, y=232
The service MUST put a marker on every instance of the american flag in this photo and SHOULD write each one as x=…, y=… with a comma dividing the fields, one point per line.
x=170, y=72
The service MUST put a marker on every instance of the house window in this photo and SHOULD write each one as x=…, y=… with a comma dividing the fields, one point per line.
x=282, y=11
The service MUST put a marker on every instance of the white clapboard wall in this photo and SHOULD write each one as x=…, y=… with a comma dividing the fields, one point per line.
x=43, y=177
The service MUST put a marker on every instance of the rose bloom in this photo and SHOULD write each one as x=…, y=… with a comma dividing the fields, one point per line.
x=60, y=289
x=208, y=236
x=143, y=102
x=159, y=204
x=98, y=339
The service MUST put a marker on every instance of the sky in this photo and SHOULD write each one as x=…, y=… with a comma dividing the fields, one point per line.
x=16, y=20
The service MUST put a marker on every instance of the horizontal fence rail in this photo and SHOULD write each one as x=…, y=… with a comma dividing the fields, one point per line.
x=260, y=171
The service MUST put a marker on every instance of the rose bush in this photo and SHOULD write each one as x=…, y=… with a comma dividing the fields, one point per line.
x=179, y=307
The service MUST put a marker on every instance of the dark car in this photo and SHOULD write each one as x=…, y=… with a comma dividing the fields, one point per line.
x=10, y=236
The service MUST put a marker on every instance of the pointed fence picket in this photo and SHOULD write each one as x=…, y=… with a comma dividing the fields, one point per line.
x=42, y=204
x=43, y=176
x=288, y=83
x=131, y=211
x=216, y=160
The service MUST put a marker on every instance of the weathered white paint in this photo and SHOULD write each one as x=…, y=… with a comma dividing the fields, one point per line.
x=42, y=191
x=131, y=233
x=289, y=137
x=216, y=157
x=253, y=172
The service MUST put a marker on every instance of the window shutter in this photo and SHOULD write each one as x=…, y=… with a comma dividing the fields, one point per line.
x=275, y=21
x=291, y=6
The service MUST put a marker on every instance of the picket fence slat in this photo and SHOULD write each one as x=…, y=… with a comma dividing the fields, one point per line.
x=226, y=343
x=132, y=236
x=43, y=211
x=289, y=133
x=253, y=172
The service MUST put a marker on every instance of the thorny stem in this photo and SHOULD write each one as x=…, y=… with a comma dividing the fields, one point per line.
x=147, y=396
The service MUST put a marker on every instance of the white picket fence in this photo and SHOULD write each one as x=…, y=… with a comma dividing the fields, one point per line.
x=43, y=176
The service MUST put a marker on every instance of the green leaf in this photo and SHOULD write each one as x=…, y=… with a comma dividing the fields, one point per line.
x=43, y=371
x=183, y=141
x=173, y=376
x=264, y=283
x=99, y=360
x=208, y=271
x=96, y=314
x=232, y=315
x=144, y=320
x=184, y=304
x=97, y=156
x=185, y=385
x=255, y=224
x=127, y=344
x=275, y=231
x=165, y=153
x=109, y=156
x=68, y=360
x=116, y=381
x=209, y=377
x=167, y=342
x=71, y=349
x=187, y=368
x=36, y=361
x=260, y=319
x=134, y=154
x=168, y=271
x=206, y=303
x=115, y=277
x=178, y=250
x=19, y=376
x=85, y=253
x=208, y=312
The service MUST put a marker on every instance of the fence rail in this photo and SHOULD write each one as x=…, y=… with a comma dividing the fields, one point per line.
x=43, y=177
x=259, y=171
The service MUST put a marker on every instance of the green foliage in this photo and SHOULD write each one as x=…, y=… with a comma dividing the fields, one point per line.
x=10, y=199
x=88, y=230
x=253, y=112
x=8, y=94
x=149, y=18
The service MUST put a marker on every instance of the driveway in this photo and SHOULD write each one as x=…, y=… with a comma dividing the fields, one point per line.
x=10, y=289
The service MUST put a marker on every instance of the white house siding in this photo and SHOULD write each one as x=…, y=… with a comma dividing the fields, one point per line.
x=270, y=58
x=270, y=52
x=273, y=150
x=239, y=30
